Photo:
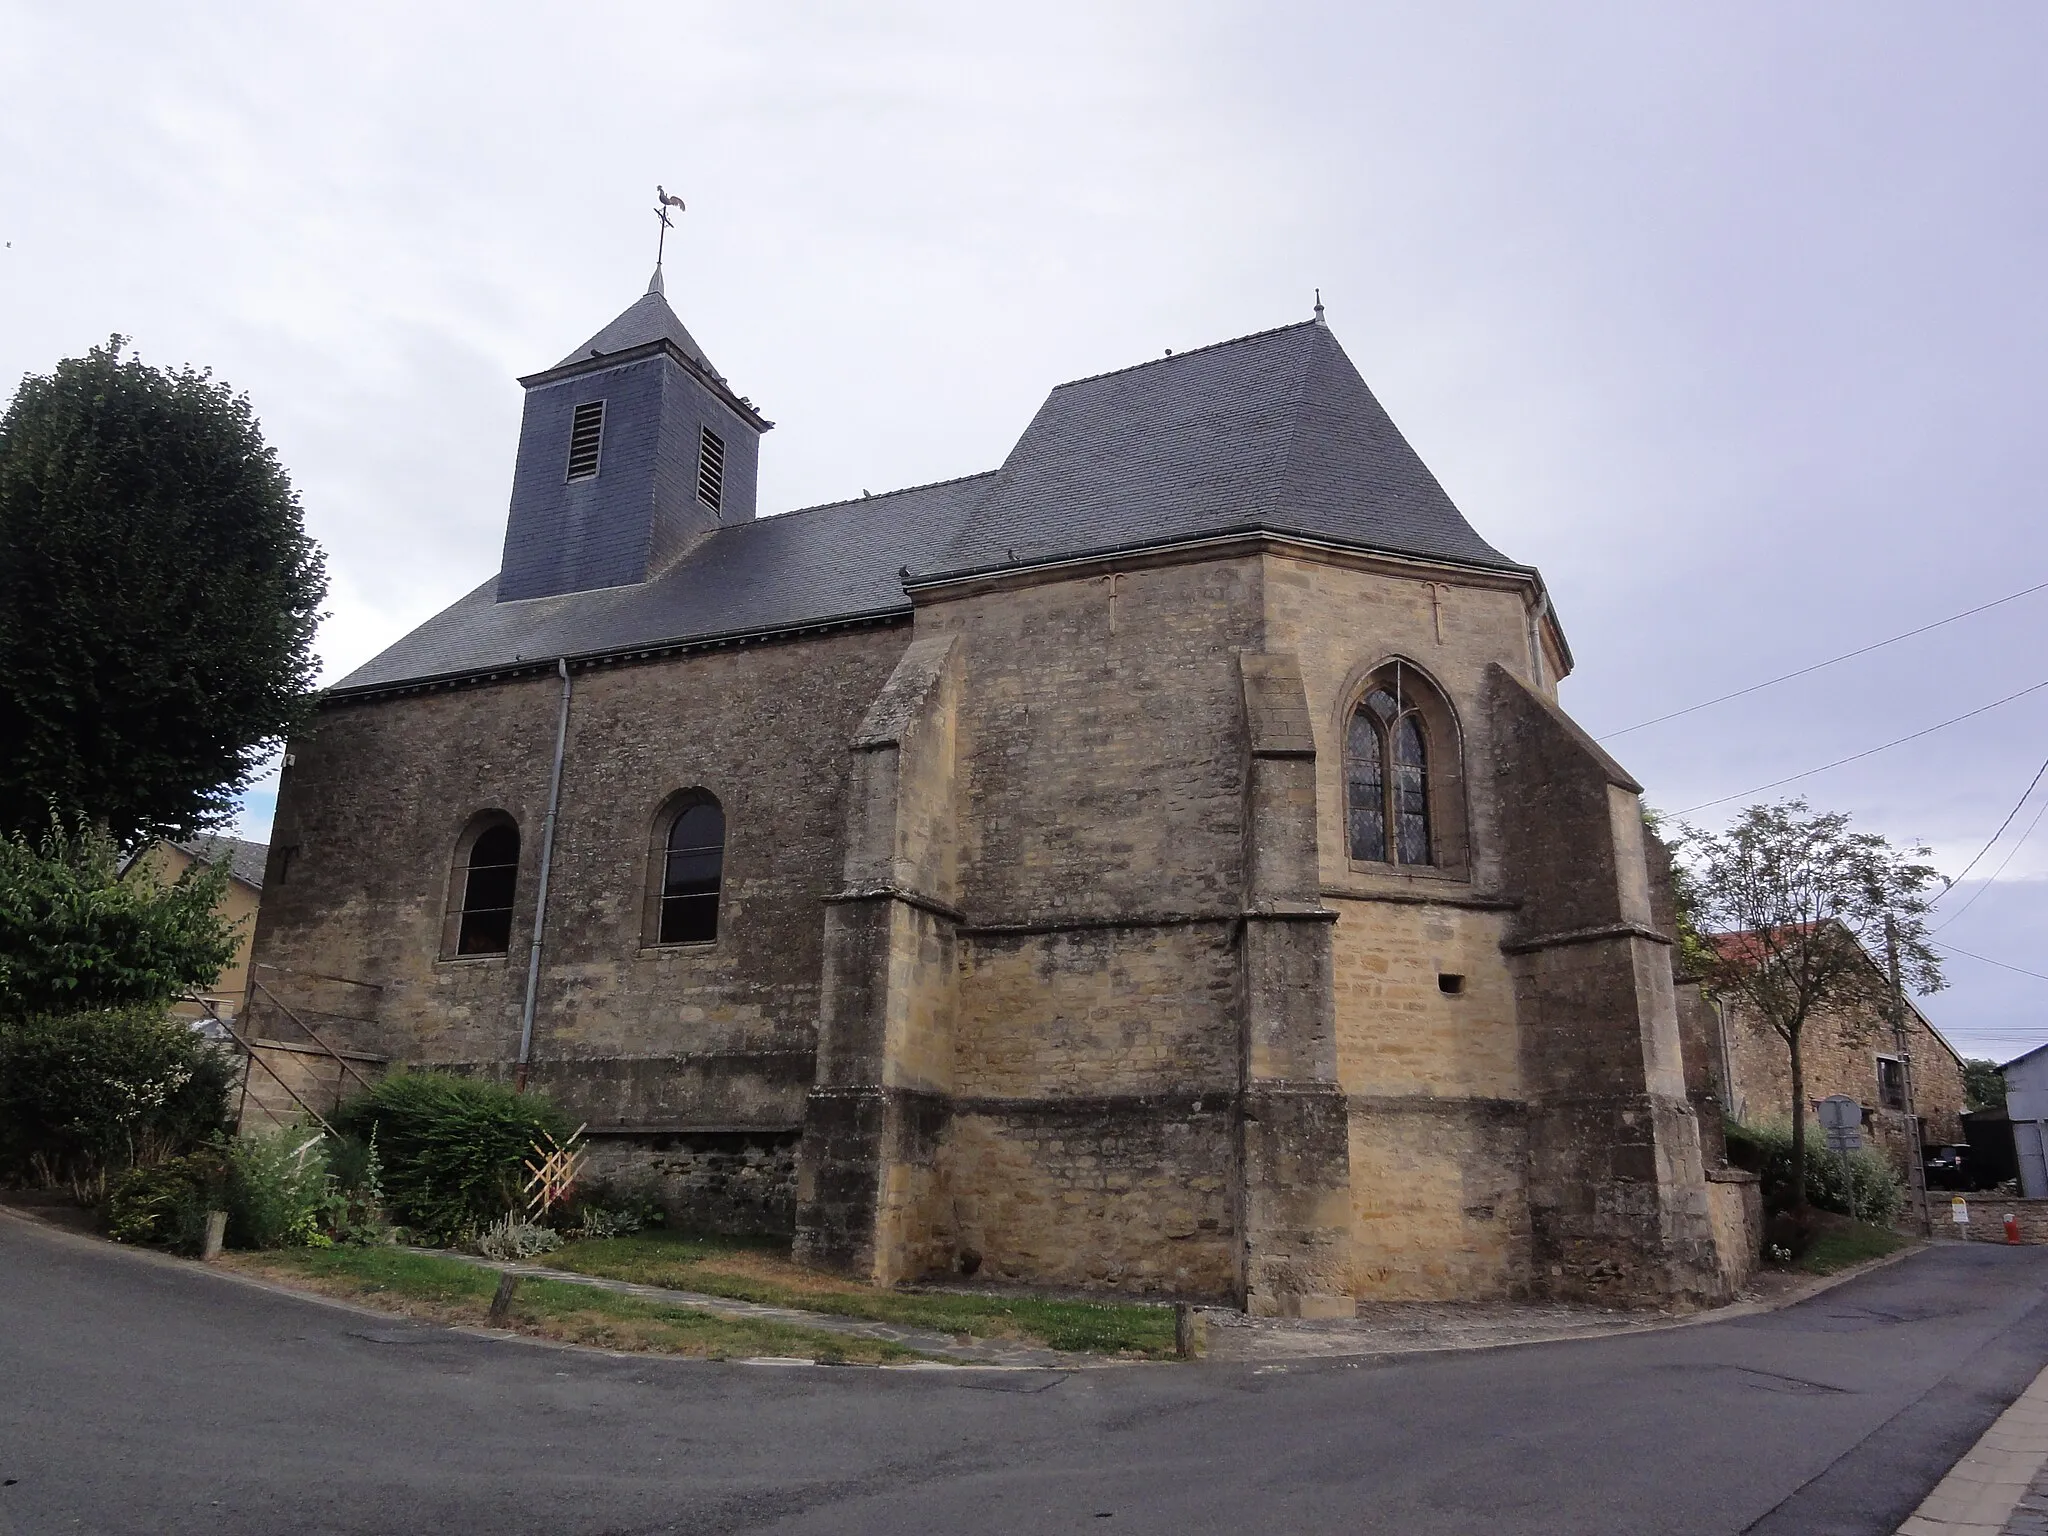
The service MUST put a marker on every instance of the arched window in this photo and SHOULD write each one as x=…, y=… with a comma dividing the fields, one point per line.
x=488, y=886
x=1386, y=779
x=692, y=870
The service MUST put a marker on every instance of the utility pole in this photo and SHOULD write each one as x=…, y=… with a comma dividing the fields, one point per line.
x=1916, y=1163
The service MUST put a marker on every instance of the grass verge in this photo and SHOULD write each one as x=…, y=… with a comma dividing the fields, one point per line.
x=1842, y=1244
x=761, y=1271
x=448, y=1291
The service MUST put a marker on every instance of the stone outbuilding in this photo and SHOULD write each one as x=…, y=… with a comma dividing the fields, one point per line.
x=1850, y=1051
x=1158, y=863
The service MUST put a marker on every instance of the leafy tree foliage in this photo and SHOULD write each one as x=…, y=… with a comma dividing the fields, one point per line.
x=1796, y=905
x=158, y=598
x=1983, y=1084
x=76, y=936
x=85, y=1094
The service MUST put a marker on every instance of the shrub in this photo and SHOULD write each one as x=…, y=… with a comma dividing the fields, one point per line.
x=167, y=1204
x=84, y=1095
x=279, y=1193
x=512, y=1236
x=453, y=1148
x=1766, y=1150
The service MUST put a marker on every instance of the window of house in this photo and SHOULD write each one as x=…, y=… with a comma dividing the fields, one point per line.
x=693, y=869
x=1891, y=1082
x=1386, y=780
x=586, y=440
x=489, y=883
x=710, y=467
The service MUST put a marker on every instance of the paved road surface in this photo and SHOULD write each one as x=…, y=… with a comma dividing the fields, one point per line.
x=140, y=1396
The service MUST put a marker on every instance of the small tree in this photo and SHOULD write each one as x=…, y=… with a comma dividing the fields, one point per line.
x=158, y=598
x=1983, y=1084
x=76, y=936
x=1797, y=906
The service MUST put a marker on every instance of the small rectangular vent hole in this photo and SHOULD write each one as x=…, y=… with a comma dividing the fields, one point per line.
x=1450, y=985
x=710, y=468
x=586, y=438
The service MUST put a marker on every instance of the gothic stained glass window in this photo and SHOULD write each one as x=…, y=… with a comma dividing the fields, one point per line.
x=1365, y=789
x=1411, y=792
x=1386, y=781
x=692, y=873
x=487, y=891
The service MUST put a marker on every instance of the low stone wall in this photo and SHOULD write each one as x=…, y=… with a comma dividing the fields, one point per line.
x=1735, y=1207
x=1987, y=1218
x=739, y=1182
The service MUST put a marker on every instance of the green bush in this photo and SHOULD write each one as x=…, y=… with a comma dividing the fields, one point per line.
x=280, y=1194
x=453, y=1148
x=167, y=1204
x=85, y=1095
x=1766, y=1149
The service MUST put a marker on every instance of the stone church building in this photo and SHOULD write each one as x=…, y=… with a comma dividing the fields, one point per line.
x=1158, y=863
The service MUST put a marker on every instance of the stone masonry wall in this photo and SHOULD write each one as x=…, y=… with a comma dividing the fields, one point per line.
x=1840, y=1054
x=627, y=1033
x=1439, y=1140
x=1103, y=779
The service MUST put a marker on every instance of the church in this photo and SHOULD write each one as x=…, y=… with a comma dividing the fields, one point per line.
x=1156, y=864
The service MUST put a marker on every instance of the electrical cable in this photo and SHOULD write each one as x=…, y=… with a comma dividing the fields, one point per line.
x=1992, y=878
x=1868, y=752
x=1787, y=677
x=1997, y=835
x=1986, y=959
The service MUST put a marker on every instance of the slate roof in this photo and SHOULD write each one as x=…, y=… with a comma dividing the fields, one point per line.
x=647, y=319
x=1273, y=431
x=245, y=860
x=824, y=564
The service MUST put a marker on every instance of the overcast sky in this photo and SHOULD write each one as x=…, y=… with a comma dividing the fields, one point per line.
x=1728, y=316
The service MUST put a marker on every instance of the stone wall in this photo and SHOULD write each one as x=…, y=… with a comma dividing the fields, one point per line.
x=741, y=1182
x=1840, y=1052
x=627, y=1034
x=1987, y=1218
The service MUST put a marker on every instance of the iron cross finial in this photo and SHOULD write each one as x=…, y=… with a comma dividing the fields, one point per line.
x=662, y=205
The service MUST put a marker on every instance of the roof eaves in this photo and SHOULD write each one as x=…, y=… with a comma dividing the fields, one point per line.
x=661, y=345
x=638, y=650
x=1211, y=536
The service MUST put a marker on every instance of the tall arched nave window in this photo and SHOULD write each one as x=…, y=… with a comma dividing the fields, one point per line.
x=1386, y=778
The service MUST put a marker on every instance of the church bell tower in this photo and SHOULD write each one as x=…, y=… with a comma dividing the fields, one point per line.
x=632, y=448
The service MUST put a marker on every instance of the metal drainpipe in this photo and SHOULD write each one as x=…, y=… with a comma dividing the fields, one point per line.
x=540, y=905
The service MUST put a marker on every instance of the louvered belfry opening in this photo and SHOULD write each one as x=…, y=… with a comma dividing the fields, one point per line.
x=710, y=467
x=586, y=439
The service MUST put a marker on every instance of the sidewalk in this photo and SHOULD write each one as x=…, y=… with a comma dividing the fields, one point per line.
x=2001, y=1487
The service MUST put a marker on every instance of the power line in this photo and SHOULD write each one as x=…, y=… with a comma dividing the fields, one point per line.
x=1992, y=878
x=2022, y=970
x=1869, y=752
x=1996, y=835
x=1787, y=677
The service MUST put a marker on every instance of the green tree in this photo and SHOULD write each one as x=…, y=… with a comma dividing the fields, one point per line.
x=1983, y=1084
x=158, y=598
x=1796, y=905
x=76, y=936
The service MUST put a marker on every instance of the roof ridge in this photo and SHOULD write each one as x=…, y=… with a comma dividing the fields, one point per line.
x=901, y=490
x=1172, y=357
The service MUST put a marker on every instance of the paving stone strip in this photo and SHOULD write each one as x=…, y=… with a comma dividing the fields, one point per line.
x=946, y=1346
x=2000, y=1488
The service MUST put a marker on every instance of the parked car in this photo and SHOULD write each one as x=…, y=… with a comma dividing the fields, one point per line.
x=1954, y=1168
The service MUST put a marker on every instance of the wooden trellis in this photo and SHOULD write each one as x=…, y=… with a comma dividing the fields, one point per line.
x=553, y=1168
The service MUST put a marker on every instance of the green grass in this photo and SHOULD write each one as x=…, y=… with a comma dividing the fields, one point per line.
x=449, y=1291
x=755, y=1270
x=1836, y=1247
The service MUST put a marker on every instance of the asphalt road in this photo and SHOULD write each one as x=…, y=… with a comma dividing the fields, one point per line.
x=143, y=1394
